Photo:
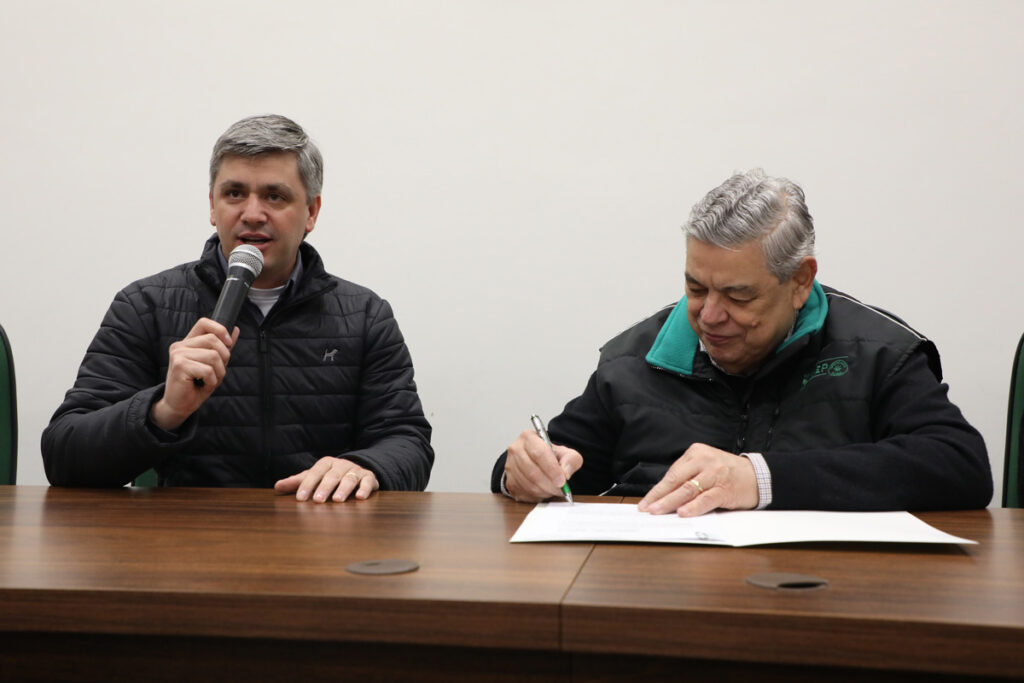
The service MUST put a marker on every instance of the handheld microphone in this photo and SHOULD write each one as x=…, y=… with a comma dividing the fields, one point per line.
x=244, y=265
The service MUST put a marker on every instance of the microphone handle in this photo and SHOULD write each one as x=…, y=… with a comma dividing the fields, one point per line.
x=229, y=305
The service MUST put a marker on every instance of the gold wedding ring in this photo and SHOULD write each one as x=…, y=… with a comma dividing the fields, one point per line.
x=351, y=473
x=700, y=489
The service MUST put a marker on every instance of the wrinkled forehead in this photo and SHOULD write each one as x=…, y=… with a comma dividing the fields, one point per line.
x=740, y=265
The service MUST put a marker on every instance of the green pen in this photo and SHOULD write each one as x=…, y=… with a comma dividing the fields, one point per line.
x=538, y=425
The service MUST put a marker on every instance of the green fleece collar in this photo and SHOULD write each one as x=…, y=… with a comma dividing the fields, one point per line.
x=677, y=343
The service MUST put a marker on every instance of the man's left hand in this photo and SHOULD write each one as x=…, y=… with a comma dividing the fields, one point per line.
x=330, y=479
x=701, y=480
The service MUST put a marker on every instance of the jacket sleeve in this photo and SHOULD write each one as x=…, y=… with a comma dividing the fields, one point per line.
x=393, y=435
x=925, y=456
x=100, y=435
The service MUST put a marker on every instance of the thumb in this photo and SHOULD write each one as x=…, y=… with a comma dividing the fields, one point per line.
x=569, y=460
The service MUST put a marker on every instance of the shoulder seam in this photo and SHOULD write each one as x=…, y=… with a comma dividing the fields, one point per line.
x=636, y=324
x=880, y=313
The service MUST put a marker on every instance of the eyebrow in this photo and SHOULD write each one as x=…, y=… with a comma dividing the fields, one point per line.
x=729, y=289
x=272, y=187
x=279, y=189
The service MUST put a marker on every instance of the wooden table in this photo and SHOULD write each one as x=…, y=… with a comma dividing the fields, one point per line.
x=244, y=584
x=889, y=609
x=174, y=584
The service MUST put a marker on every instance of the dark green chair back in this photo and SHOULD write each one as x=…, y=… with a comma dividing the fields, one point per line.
x=8, y=414
x=1013, y=474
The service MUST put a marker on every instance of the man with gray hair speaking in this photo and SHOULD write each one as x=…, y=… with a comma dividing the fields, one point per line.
x=311, y=392
x=760, y=389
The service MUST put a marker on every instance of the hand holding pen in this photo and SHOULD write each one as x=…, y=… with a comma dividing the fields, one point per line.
x=543, y=433
x=537, y=470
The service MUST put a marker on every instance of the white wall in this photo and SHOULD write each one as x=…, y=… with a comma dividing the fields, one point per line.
x=512, y=175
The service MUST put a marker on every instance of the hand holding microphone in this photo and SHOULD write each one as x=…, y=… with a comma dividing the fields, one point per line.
x=197, y=364
x=244, y=265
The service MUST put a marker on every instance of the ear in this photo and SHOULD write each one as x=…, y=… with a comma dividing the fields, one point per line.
x=314, y=212
x=213, y=220
x=803, y=281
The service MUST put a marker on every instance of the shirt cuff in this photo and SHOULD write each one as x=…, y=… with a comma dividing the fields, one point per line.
x=504, y=489
x=764, y=479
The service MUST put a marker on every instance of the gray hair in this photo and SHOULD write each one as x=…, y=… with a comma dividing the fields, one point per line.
x=750, y=206
x=258, y=135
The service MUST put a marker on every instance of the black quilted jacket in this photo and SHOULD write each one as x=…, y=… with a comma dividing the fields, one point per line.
x=327, y=372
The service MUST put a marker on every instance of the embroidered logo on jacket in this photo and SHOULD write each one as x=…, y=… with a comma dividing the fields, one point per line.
x=829, y=367
x=329, y=355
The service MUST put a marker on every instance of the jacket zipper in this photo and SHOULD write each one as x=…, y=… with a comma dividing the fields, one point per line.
x=264, y=351
x=741, y=435
x=263, y=348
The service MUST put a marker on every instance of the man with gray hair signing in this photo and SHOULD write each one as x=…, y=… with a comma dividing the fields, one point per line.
x=311, y=392
x=760, y=389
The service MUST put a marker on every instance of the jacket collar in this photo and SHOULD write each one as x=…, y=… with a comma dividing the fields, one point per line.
x=676, y=345
x=311, y=274
x=293, y=279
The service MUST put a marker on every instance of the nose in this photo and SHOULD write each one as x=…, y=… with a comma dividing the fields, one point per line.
x=252, y=211
x=713, y=312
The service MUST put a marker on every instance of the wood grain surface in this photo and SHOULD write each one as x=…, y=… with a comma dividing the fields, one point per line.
x=241, y=583
x=933, y=608
x=245, y=562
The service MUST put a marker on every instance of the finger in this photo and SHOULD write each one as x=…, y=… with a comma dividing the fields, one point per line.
x=332, y=480
x=569, y=460
x=672, y=500
x=187, y=385
x=311, y=479
x=524, y=477
x=526, y=480
x=350, y=480
x=185, y=371
x=289, y=484
x=367, y=486
x=677, y=475
x=209, y=349
x=545, y=458
x=206, y=349
x=704, y=503
x=209, y=367
x=521, y=475
x=205, y=326
x=306, y=480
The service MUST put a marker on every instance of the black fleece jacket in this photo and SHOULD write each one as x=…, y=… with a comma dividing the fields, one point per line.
x=327, y=372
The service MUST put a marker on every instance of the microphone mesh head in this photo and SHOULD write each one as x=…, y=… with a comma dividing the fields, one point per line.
x=248, y=256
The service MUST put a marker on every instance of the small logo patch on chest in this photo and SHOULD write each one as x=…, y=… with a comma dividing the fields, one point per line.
x=329, y=355
x=828, y=367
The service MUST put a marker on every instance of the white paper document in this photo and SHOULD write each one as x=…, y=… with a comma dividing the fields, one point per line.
x=623, y=522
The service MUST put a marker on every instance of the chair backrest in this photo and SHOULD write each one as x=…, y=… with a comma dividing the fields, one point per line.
x=8, y=414
x=1013, y=474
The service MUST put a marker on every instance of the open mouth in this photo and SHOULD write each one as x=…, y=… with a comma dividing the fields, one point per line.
x=254, y=240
